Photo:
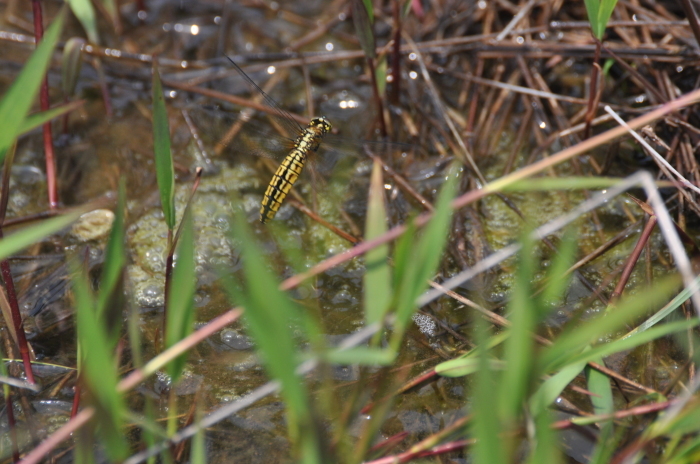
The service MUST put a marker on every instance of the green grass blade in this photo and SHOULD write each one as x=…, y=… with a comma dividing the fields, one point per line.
x=110, y=300
x=22, y=238
x=461, y=367
x=557, y=279
x=518, y=350
x=628, y=343
x=578, y=336
x=377, y=279
x=485, y=427
x=602, y=399
x=546, y=442
x=539, y=184
x=592, y=8
x=181, y=299
x=363, y=18
x=111, y=7
x=464, y=365
x=84, y=11
x=16, y=103
x=198, y=454
x=165, y=173
x=361, y=355
x=426, y=254
x=99, y=369
x=551, y=388
x=599, y=385
x=271, y=318
x=664, y=312
x=71, y=63
x=599, y=12
x=35, y=120
x=604, y=13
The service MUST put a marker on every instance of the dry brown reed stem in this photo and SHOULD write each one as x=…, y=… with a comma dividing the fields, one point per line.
x=499, y=184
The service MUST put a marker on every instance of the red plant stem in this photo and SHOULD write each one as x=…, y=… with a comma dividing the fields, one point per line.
x=632, y=261
x=377, y=96
x=44, y=102
x=13, y=428
x=76, y=399
x=169, y=263
x=396, y=55
x=593, y=91
x=16, y=317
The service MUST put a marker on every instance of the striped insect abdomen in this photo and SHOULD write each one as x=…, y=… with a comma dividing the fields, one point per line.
x=289, y=171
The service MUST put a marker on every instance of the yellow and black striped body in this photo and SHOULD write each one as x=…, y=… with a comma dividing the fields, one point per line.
x=289, y=171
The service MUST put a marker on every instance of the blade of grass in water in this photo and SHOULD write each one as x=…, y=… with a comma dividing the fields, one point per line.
x=98, y=369
x=181, y=300
x=85, y=12
x=377, y=279
x=110, y=300
x=363, y=18
x=71, y=64
x=271, y=318
x=515, y=382
x=425, y=255
x=38, y=119
x=165, y=173
x=574, y=339
x=489, y=447
x=27, y=236
x=16, y=103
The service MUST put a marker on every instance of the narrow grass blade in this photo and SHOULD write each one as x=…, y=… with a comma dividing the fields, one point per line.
x=165, y=173
x=426, y=254
x=84, y=11
x=602, y=399
x=485, y=426
x=71, y=63
x=363, y=18
x=198, y=454
x=538, y=184
x=599, y=385
x=110, y=298
x=111, y=7
x=599, y=12
x=27, y=236
x=38, y=119
x=377, y=279
x=576, y=338
x=181, y=299
x=628, y=343
x=99, y=369
x=361, y=355
x=664, y=312
x=466, y=366
x=271, y=319
x=551, y=388
x=546, y=442
x=604, y=13
x=16, y=103
x=557, y=280
x=516, y=381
